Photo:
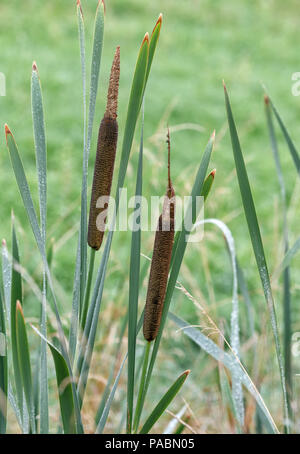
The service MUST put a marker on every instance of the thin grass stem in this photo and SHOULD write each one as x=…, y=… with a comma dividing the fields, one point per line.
x=141, y=394
x=88, y=289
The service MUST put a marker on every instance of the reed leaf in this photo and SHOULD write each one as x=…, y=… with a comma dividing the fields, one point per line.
x=41, y=164
x=164, y=402
x=254, y=231
x=237, y=391
x=293, y=151
x=286, y=273
x=24, y=364
x=103, y=419
x=81, y=261
x=6, y=276
x=16, y=295
x=31, y=213
x=3, y=368
x=65, y=393
x=134, y=283
x=290, y=254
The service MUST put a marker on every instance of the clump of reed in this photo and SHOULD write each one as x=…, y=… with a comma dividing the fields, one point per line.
x=24, y=372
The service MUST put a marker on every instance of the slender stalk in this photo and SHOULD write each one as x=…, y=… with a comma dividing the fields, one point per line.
x=88, y=289
x=141, y=397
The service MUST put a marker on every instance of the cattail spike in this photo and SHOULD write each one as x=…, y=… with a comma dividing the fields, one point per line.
x=113, y=88
x=161, y=259
x=105, y=159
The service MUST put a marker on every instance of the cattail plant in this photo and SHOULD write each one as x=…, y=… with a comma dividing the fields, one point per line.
x=161, y=259
x=105, y=158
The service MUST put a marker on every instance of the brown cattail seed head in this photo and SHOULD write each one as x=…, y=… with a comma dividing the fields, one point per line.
x=105, y=159
x=161, y=260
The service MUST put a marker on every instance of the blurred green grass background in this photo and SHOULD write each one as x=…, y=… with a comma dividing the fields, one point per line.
x=202, y=42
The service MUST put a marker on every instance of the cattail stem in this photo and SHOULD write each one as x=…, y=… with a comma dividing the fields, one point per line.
x=88, y=289
x=141, y=394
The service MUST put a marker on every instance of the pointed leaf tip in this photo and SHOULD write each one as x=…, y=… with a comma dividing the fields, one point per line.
x=19, y=308
x=213, y=136
x=225, y=89
x=7, y=131
x=146, y=38
x=266, y=99
x=102, y=2
x=4, y=242
x=158, y=23
x=34, y=66
x=213, y=172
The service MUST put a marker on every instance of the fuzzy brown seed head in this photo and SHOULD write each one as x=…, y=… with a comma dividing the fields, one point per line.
x=161, y=260
x=105, y=159
x=113, y=88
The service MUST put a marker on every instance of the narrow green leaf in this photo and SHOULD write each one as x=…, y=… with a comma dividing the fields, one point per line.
x=107, y=390
x=134, y=283
x=164, y=403
x=237, y=392
x=30, y=210
x=64, y=387
x=290, y=144
x=41, y=162
x=286, y=274
x=110, y=395
x=290, y=254
x=256, y=240
x=16, y=295
x=40, y=144
x=231, y=362
x=24, y=363
x=81, y=262
x=135, y=100
x=244, y=290
x=6, y=276
x=3, y=368
x=79, y=276
x=105, y=413
x=153, y=44
x=207, y=185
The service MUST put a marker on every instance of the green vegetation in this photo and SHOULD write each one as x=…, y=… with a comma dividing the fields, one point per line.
x=202, y=42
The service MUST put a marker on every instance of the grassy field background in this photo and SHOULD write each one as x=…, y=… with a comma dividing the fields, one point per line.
x=202, y=42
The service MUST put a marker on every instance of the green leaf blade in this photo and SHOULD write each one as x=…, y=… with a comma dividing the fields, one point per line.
x=41, y=162
x=134, y=282
x=254, y=231
x=164, y=402
x=24, y=363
